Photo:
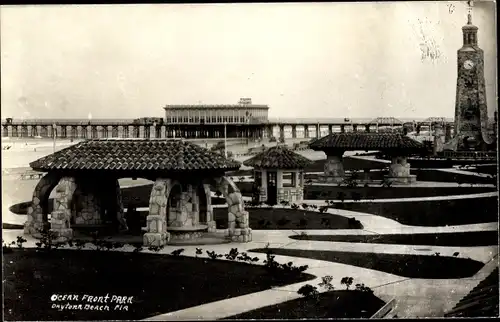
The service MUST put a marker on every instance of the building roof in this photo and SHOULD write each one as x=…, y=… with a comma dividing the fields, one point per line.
x=482, y=301
x=221, y=106
x=365, y=141
x=278, y=157
x=135, y=155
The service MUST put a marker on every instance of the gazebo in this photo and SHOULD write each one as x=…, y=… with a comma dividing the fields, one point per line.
x=279, y=174
x=86, y=175
x=395, y=145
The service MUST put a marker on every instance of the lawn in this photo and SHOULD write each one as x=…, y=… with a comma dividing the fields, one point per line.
x=158, y=283
x=462, y=239
x=280, y=218
x=432, y=212
x=329, y=305
x=317, y=192
x=412, y=266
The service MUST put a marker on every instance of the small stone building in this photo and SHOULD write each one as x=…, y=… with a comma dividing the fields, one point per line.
x=279, y=174
x=395, y=145
x=86, y=175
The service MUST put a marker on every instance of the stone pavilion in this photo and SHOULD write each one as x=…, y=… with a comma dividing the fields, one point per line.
x=86, y=175
x=279, y=174
x=395, y=145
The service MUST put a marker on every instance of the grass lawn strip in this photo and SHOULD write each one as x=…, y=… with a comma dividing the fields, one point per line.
x=411, y=266
x=158, y=284
x=333, y=304
x=462, y=239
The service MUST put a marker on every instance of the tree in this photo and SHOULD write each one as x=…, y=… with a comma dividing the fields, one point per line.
x=347, y=281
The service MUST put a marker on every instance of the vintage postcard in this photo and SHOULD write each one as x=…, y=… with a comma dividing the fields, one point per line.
x=249, y=161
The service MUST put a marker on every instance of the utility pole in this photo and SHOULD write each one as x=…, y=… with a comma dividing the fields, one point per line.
x=225, y=139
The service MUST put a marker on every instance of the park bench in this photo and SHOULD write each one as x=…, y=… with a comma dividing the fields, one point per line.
x=32, y=175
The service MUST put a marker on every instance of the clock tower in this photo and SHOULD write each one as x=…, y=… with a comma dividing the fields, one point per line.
x=471, y=113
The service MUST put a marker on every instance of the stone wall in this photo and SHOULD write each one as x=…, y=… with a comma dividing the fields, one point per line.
x=35, y=218
x=89, y=212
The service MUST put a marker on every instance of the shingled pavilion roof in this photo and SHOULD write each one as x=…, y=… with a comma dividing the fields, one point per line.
x=278, y=157
x=135, y=155
x=366, y=141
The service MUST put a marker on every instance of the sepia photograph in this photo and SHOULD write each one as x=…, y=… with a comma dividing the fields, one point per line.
x=249, y=161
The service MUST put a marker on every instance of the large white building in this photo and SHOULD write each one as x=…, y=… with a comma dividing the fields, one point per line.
x=242, y=113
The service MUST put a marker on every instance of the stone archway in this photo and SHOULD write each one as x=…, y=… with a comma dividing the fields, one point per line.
x=38, y=211
x=238, y=229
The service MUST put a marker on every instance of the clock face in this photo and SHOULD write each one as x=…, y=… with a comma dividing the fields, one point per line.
x=468, y=64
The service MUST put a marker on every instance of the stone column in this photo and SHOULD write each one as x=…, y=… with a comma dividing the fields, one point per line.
x=279, y=186
x=294, y=131
x=399, y=171
x=61, y=214
x=157, y=234
x=238, y=229
x=263, y=187
x=306, y=131
x=210, y=212
x=334, y=169
x=330, y=129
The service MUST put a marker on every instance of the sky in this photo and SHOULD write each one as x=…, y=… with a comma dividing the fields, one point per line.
x=304, y=60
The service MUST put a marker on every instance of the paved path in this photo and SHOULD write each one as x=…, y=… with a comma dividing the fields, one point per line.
x=467, y=173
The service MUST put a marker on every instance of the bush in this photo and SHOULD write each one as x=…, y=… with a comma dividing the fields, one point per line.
x=363, y=288
x=308, y=291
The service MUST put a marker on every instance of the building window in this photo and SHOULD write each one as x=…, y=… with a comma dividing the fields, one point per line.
x=168, y=119
x=242, y=119
x=214, y=119
x=224, y=119
x=185, y=119
x=288, y=179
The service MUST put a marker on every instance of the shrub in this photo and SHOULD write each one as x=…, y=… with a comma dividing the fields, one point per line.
x=20, y=241
x=47, y=240
x=363, y=288
x=233, y=253
x=326, y=283
x=308, y=291
x=7, y=247
x=341, y=196
x=285, y=203
x=213, y=255
x=177, y=252
x=294, y=206
x=347, y=281
x=323, y=209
